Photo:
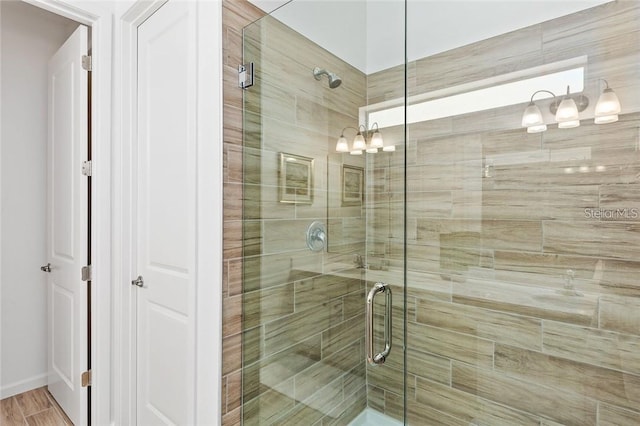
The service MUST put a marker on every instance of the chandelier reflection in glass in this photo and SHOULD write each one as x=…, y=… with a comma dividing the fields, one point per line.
x=567, y=110
x=360, y=145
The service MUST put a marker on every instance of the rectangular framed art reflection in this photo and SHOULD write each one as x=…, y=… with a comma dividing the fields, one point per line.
x=295, y=179
x=352, y=185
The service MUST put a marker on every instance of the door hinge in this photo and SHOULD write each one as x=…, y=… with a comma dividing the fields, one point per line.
x=86, y=273
x=86, y=379
x=87, y=63
x=245, y=75
x=87, y=168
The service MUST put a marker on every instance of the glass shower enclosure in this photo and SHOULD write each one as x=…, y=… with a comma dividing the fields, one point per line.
x=441, y=213
x=319, y=230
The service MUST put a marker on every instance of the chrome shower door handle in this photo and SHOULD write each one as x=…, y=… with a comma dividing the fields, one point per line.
x=380, y=357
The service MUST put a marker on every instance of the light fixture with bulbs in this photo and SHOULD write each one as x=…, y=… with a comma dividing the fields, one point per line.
x=359, y=144
x=608, y=106
x=567, y=109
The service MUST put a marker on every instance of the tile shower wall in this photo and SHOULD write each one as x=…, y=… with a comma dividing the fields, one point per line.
x=291, y=352
x=523, y=306
x=303, y=325
x=235, y=15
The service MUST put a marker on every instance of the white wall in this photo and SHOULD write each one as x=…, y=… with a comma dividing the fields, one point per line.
x=29, y=37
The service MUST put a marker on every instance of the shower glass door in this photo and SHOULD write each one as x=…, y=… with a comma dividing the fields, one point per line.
x=523, y=242
x=323, y=223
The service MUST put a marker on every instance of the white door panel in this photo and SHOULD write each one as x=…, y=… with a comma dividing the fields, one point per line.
x=166, y=214
x=67, y=217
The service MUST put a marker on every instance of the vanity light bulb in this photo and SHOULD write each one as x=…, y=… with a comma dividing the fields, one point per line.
x=567, y=114
x=532, y=116
x=342, y=145
x=607, y=108
x=376, y=140
x=359, y=143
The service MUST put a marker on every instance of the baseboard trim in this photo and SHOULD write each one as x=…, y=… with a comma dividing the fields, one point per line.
x=23, y=386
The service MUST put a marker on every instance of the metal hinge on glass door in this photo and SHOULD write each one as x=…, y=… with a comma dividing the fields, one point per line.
x=245, y=75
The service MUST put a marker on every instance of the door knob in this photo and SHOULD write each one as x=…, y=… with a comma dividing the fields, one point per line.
x=46, y=268
x=138, y=281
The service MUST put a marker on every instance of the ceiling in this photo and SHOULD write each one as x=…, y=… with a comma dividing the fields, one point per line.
x=369, y=34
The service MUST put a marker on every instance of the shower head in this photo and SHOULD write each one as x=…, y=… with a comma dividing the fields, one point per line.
x=334, y=80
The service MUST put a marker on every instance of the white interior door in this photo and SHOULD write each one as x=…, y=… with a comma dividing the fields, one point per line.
x=165, y=216
x=67, y=227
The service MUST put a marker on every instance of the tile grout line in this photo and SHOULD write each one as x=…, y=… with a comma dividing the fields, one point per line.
x=24, y=419
x=58, y=408
x=54, y=407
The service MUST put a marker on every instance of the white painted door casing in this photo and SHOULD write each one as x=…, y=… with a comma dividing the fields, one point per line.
x=67, y=225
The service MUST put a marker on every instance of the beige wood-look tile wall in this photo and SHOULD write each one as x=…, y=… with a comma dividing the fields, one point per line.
x=494, y=337
x=304, y=361
x=302, y=357
x=235, y=15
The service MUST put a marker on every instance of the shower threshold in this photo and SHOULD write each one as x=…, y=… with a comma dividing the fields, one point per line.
x=371, y=417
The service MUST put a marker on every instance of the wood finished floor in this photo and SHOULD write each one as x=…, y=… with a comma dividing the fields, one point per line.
x=34, y=408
